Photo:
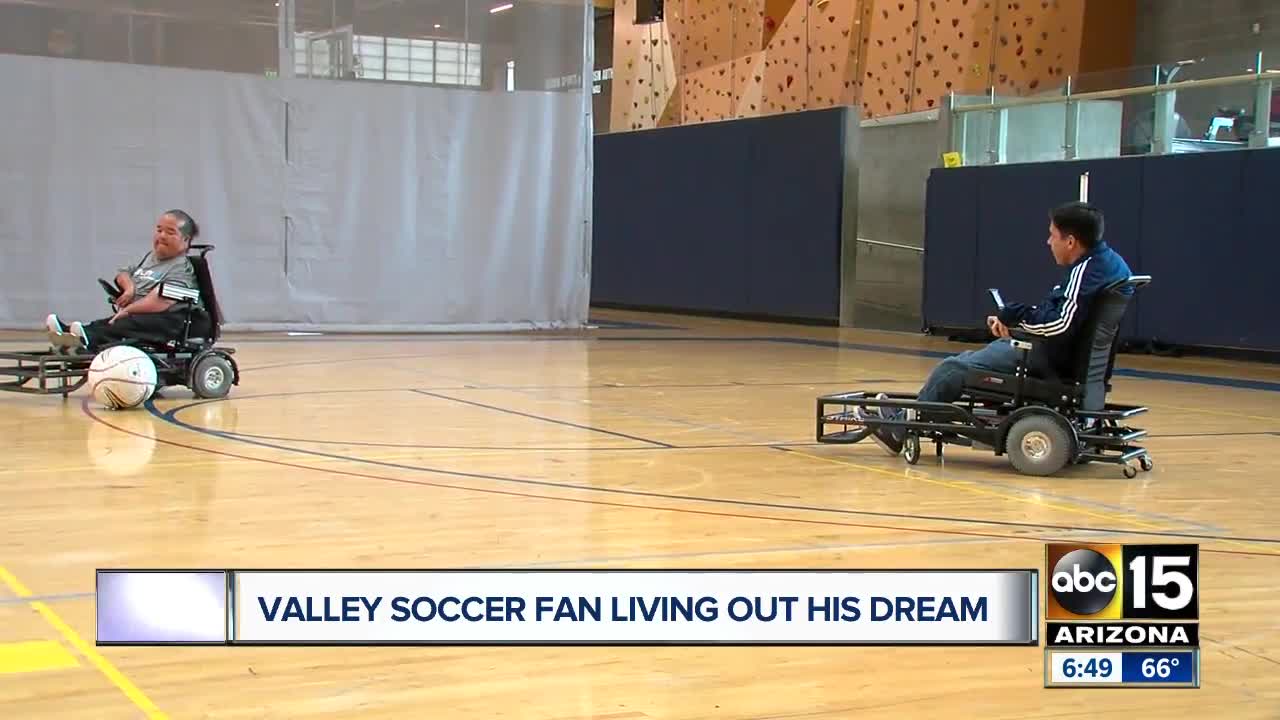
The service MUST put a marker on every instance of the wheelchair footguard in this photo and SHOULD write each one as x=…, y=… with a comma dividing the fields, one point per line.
x=44, y=372
x=1039, y=440
x=209, y=372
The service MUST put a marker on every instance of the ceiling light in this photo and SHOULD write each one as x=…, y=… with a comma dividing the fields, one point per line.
x=500, y=8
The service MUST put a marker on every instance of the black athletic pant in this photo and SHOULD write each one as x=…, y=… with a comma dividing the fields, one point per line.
x=157, y=328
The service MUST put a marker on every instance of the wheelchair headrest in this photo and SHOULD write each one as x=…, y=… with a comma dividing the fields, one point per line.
x=1133, y=281
x=1113, y=300
x=204, y=278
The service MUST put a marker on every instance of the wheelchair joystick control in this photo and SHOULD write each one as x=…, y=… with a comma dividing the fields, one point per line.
x=995, y=298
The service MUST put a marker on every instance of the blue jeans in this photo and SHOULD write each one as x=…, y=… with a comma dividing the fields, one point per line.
x=946, y=382
x=947, y=379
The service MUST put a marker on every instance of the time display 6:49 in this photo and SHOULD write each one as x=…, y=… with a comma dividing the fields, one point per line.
x=1087, y=667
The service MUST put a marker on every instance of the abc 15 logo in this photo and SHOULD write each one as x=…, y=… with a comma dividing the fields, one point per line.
x=1123, y=582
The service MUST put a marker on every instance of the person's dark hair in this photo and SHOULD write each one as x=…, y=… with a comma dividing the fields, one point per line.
x=1081, y=220
x=186, y=224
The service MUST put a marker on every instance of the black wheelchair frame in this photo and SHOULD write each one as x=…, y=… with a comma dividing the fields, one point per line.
x=1041, y=422
x=191, y=361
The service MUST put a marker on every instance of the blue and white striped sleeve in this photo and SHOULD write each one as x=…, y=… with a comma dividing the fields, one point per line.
x=1065, y=305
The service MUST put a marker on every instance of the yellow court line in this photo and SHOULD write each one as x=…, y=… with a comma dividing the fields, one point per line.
x=35, y=656
x=919, y=475
x=104, y=665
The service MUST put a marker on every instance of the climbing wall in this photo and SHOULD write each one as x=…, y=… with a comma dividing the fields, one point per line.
x=1037, y=44
x=833, y=47
x=706, y=42
x=719, y=59
x=706, y=61
x=856, y=62
x=747, y=37
x=666, y=68
x=890, y=59
x=786, y=60
x=644, y=73
x=706, y=94
x=954, y=50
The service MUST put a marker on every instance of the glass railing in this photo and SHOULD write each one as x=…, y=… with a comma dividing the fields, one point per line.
x=1204, y=105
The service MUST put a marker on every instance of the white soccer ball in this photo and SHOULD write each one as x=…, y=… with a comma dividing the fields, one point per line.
x=122, y=377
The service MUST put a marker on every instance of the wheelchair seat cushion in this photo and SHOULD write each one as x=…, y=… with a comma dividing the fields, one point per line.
x=1006, y=384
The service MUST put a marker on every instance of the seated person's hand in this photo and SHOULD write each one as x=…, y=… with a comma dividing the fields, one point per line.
x=997, y=328
x=124, y=299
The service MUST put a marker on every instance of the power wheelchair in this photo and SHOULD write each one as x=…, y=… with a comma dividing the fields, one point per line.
x=192, y=360
x=1041, y=421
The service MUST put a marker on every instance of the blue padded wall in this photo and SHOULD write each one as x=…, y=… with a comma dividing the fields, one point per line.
x=742, y=216
x=1197, y=223
x=662, y=235
x=951, y=237
x=1245, y=266
x=1191, y=213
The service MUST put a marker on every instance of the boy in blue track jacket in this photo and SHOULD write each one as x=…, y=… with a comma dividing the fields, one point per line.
x=1075, y=241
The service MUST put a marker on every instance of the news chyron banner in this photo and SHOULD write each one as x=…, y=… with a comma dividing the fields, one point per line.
x=1122, y=616
x=568, y=607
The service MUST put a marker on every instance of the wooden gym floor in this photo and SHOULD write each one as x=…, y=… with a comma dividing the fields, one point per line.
x=653, y=441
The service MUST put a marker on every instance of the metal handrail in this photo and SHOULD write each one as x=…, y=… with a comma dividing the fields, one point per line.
x=881, y=243
x=1225, y=80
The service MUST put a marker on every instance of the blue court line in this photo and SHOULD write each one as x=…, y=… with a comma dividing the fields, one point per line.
x=1211, y=380
x=1238, y=383
x=629, y=325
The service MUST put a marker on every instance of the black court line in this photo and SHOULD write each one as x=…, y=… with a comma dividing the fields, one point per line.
x=589, y=386
x=502, y=448
x=709, y=446
x=543, y=418
x=56, y=597
x=655, y=445
x=169, y=417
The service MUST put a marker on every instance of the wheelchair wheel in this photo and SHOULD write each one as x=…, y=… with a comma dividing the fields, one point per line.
x=1039, y=445
x=911, y=448
x=211, y=377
